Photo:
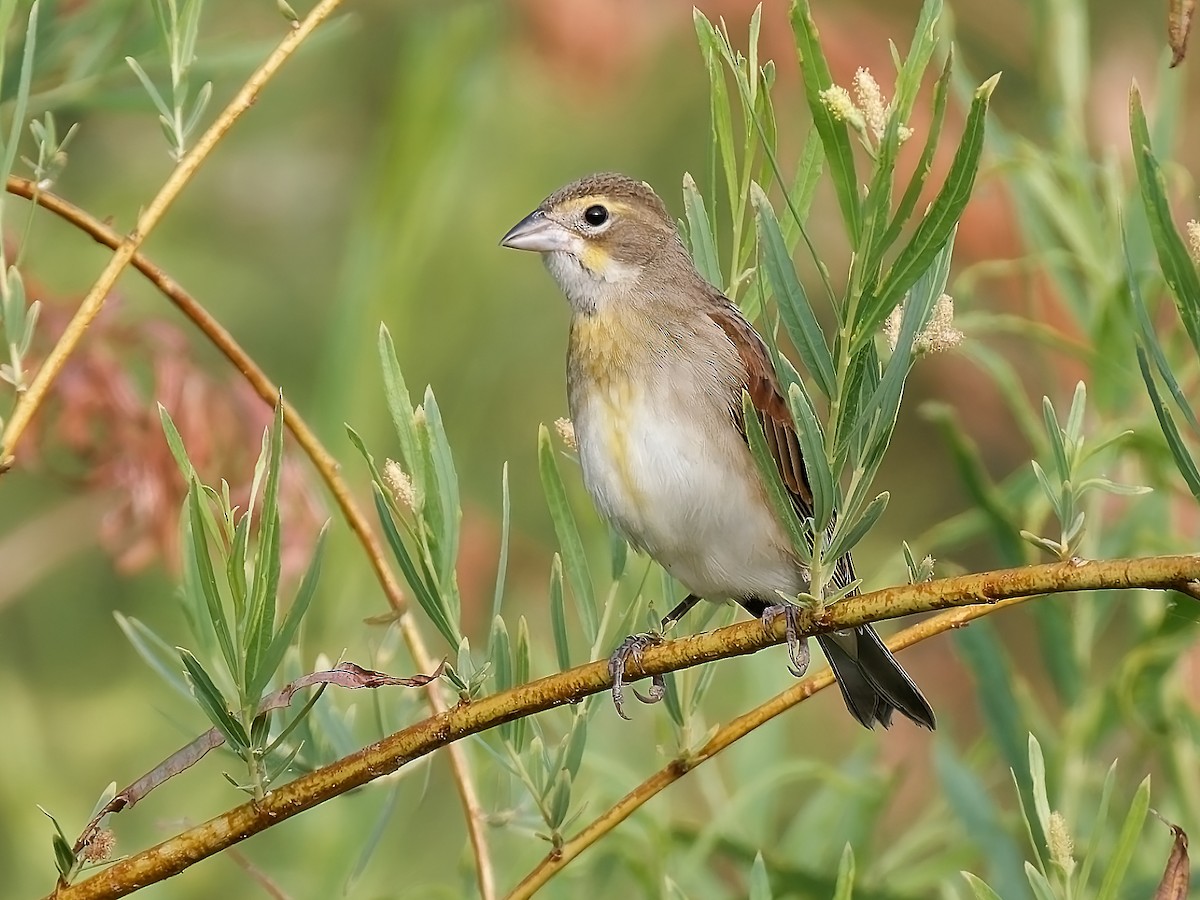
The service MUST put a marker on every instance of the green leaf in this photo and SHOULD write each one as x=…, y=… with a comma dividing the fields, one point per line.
x=175, y=443
x=447, y=496
x=203, y=580
x=1122, y=853
x=573, y=556
x=1093, y=848
x=1179, y=451
x=154, y=651
x=1149, y=339
x=1037, y=881
x=812, y=448
x=426, y=594
x=401, y=409
x=1037, y=777
x=980, y=888
x=795, y=311
x=213, y=703
x=283, y=638
x=558, y=615
x=1177, y=266
x=760, y=882
x=260, y=612
x=835, y=136
x=521, y=653
x=845, y=880
x=845, y=539
x=700, y=234
x=935, y=229
x=505, y=528
x=804, y=187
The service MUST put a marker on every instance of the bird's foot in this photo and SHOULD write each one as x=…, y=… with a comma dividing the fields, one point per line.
x=632, y=648
x=798, y=654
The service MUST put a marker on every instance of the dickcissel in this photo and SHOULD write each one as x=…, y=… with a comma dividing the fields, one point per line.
x=657, y=365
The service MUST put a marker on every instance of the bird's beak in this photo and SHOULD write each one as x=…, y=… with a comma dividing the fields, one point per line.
x=538, y=233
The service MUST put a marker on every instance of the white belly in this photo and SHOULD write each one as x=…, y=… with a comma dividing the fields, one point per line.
x=684, y=488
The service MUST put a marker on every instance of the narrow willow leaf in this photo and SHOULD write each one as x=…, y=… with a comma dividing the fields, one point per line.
x=920, y=51
x=213, y=704
x=794, y=308
x=521, y=653
x=426, y=594
x=500, y=653
x=936, y=228
x=1179, y=451
x=812, y=448
x=846, y=539
x=700, y=234
x=450, y=504
x=673, y=701
x=835, y=136
x=1037, y=881
x=722, y=119
x=175, y=443
x=204, y=579
x=845, y=879
x=760, y=882
x=401, y=409
x=288, y=629
x=1177, y=267
x=558, y=615
x=1037, y=777
x=154, y=651
x=1149, y=339
x=505, y=527
x=574, y=559
x=804, y=188
x=260, y=614
x=1093, y=847
x=1122, y=853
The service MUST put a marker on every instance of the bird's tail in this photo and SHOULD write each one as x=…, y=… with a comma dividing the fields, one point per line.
x=872, y=682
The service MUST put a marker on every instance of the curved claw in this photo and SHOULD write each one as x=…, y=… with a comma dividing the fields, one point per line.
x=631, y=648
x=798, y=653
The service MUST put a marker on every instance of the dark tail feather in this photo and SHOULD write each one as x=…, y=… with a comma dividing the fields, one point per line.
x=872, y=682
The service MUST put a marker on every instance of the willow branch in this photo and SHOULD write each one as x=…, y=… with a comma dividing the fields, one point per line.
x=725, y=736
x=29, y=401
x=325, y=464
x=385, y=756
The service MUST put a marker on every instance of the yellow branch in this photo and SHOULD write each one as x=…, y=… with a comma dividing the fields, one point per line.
x=385, y=756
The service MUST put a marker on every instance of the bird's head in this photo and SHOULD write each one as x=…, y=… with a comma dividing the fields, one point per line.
x=598, y=237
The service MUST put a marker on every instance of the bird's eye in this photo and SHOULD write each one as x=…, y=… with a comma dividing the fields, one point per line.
x=595, y=215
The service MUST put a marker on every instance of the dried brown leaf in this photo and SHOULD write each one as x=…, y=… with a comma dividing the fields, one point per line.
x=1177, y=876
x=1179, y=28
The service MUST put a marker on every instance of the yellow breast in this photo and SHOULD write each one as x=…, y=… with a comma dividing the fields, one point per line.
x=610, y=365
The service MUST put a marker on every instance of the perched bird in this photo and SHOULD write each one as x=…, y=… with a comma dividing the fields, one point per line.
x=657, y=365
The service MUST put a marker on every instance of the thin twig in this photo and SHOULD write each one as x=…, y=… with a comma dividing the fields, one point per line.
x=386, y=756
x=29, y=402
x=327, y=467
x=728, y=734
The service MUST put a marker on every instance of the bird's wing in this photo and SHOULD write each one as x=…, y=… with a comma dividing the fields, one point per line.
x=762, y=385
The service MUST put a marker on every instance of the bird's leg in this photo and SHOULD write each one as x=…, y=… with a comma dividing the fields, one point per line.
x=632, y=647
x=798, y=654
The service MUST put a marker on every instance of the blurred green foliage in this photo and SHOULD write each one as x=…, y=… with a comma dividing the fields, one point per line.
x=370, y=183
